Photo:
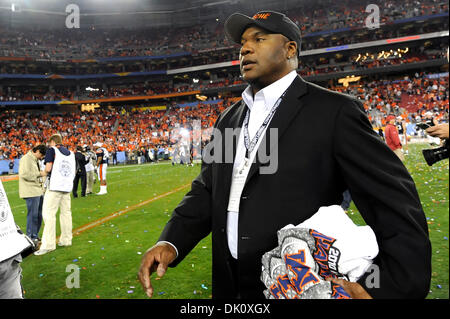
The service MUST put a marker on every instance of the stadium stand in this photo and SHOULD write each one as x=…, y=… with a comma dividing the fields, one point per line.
x=149, y=82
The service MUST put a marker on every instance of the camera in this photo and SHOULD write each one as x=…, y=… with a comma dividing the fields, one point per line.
x=434, y=155
x=425, y=125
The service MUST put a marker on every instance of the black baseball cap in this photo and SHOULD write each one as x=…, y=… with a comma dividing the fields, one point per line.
x=271, y=21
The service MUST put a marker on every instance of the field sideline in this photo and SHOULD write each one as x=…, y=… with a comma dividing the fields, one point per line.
x=112, y=232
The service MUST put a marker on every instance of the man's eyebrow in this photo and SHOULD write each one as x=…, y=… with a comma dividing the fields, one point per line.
x=256, y=34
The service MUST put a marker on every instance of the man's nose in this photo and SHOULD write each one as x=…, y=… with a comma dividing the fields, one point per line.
x=246, y=49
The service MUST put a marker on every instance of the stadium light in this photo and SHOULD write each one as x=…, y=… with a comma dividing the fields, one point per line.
x=348, y=79
x=184, y=132
x=201, y=97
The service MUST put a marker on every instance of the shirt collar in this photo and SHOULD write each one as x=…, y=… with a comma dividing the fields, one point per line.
x=271, y=93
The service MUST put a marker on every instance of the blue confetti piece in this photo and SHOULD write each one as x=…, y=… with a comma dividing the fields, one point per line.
x=204, y=287
x=445, y=238
x=439, y=286
x=162, y=292
x=75, y=260
x=41, y=275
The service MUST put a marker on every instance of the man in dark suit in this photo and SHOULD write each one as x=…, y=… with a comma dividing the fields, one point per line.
x=244, y=206
x=81, y=161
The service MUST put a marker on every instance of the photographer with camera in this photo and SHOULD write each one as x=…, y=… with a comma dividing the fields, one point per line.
x=14, y=246
x=437, y=154
x=91, y=159
x=31, y=188
x=60, y=166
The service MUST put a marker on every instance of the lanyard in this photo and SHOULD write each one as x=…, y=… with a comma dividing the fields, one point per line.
x=250, y=145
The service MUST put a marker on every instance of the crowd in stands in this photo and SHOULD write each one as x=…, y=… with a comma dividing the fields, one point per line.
x=122, y=130
x=140, y=65
x=331, y=15
x=308, y=67
x=312, y=17
x=119, y=130
x=331, y=65
x=420, y=53
x=391, y=97
x=26, y=93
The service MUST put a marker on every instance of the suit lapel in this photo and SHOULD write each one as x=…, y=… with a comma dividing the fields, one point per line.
x=282, y=119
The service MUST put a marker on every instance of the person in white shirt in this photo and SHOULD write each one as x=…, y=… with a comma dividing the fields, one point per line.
x=60, y=166
x=90, y=170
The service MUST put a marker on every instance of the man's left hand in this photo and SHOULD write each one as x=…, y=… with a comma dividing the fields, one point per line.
x=355, y=290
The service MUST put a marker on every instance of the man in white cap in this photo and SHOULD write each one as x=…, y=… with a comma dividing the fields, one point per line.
x=102, y=164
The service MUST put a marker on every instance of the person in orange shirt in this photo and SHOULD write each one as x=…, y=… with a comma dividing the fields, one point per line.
x=392, y=138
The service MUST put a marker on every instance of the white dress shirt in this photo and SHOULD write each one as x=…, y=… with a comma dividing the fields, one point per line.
x=259, y=106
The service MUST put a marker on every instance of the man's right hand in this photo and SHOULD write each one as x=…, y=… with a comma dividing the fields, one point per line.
x=156, y=258
x=440, y=130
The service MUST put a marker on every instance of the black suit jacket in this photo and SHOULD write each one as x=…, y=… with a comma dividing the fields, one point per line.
x=326, y=145
x=81, y=161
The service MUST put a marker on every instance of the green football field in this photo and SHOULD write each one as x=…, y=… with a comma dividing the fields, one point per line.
x=112, y=232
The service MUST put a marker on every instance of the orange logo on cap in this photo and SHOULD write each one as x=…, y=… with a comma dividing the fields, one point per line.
x=263, y=16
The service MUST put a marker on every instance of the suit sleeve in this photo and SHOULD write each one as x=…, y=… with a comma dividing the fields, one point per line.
x=191, y=220
x=386, y=197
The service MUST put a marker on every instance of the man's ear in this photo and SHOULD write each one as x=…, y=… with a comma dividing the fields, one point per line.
x=292, y=49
